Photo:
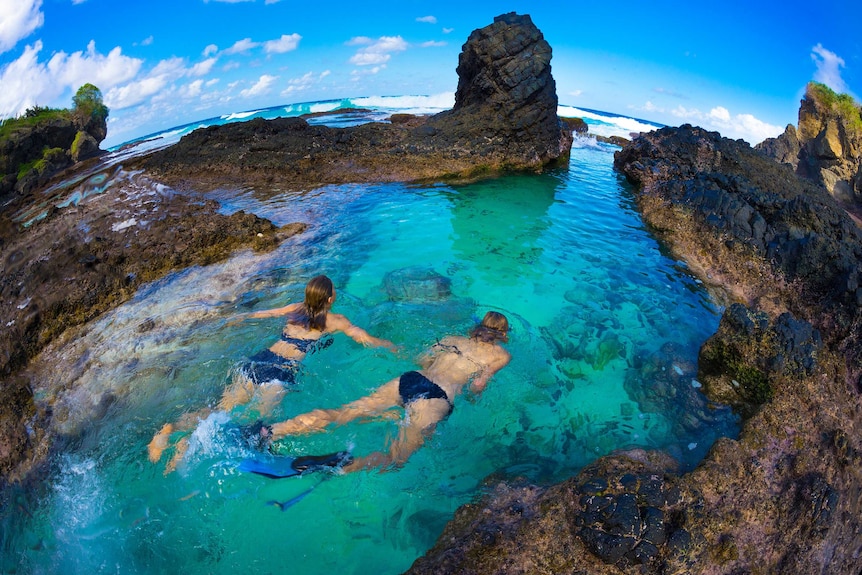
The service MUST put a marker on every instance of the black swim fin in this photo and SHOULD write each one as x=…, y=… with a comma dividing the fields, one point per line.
x=280, y=467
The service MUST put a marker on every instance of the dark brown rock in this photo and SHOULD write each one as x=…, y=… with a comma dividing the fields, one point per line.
x=505, y=117
x=58, y=273
x=827, y=146
x=785, y=496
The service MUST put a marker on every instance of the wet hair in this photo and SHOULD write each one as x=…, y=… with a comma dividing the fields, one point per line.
x=312, y=314
x=494, y=327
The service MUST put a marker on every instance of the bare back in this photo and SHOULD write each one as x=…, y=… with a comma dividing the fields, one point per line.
x=455, y=361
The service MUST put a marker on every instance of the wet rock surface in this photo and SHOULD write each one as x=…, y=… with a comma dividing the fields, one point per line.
x=826, y=147
x=505, y=117
x=785, y=496
x=70, y=264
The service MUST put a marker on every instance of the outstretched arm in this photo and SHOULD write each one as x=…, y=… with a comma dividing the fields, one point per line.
x=275, y=312
x=338, y=322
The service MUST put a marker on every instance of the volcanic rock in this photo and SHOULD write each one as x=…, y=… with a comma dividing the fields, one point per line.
x=505, y=117
x=826, y=148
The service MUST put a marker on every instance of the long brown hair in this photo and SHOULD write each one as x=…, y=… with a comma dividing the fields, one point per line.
x=312, y=315
x=494, y=327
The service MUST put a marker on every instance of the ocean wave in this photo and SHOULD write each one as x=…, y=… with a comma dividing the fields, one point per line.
x=415, y=104
x=606, y=124
x=239, y=115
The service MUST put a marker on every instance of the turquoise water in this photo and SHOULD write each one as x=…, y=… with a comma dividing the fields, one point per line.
x=605, y=333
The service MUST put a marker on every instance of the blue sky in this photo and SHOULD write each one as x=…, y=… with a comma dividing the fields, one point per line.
x=736, y=67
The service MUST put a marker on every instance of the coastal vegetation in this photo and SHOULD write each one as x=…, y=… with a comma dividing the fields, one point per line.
x=43, y=141
x=841, y=105
x=88, y=104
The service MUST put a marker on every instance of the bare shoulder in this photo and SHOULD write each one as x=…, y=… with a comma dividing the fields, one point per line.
x=337, y=322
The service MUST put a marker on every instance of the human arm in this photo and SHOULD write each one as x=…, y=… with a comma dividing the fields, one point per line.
x=338, y=322
x=479, y=382
x=275, y=312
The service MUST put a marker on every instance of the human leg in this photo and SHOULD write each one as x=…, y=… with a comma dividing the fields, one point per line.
x=374, y=405
x=420, y=420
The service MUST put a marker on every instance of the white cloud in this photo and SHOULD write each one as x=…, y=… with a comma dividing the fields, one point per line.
x=139, y=90
x=829, y=67
x=27, y=81
x=202, y=68
x=377, y=52
x=720, y=114
x=192, y=90
x=576, y=93
x=427, y=19
x=147, y=41
x=18, y=19
x=209, y=50
x=433, y=44
x=720, y=119
x=261, y=87
x=448, y=30
x=242, y=46
x=359, y=41
x=304, y=82
x=286, y=43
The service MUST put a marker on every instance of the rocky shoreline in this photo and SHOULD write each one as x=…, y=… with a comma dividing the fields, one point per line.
x=785, y=496
x=504, y=118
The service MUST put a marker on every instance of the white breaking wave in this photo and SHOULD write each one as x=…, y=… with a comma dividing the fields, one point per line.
x=607, y=125
x=416, y=104
x=239, y=115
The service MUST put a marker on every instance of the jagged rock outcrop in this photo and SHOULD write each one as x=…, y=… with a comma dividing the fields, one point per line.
x=505, y=117
x=33, y=153
x=786, y=495
x=826, y=148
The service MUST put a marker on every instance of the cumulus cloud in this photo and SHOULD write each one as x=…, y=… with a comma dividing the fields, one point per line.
x=261, y=87
x=433, y=44
x=241, y=46
x=286, y=43
x=377, y=52
x=720, y=119
x=304, y=82
x=139, y=90
x=829, y=66
x=18, y=19
x=427, y=19
x=192, y=90
x=209, y=50
x=27, y=81
x=202, y=68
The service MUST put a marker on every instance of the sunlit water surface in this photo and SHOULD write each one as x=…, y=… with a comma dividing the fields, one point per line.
x=591, y=298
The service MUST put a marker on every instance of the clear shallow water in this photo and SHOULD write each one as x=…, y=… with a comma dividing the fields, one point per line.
x=605, y=329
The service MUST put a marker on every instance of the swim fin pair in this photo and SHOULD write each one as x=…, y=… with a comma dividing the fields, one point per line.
x=283, y=466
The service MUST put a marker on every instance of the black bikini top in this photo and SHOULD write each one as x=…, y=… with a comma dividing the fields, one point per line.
x=308, y=345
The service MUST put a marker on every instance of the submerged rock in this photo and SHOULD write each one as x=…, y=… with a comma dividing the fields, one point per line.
x=505, y=117
x=783, y=497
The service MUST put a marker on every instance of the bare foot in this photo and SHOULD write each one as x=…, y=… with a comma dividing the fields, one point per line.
x=159, y=442
x=179, y=452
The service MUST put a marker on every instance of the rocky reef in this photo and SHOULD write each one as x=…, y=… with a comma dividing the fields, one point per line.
x=505, y=117
x=45, y=141
x=786, y=495
x=826, y=147
x=53, y=235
